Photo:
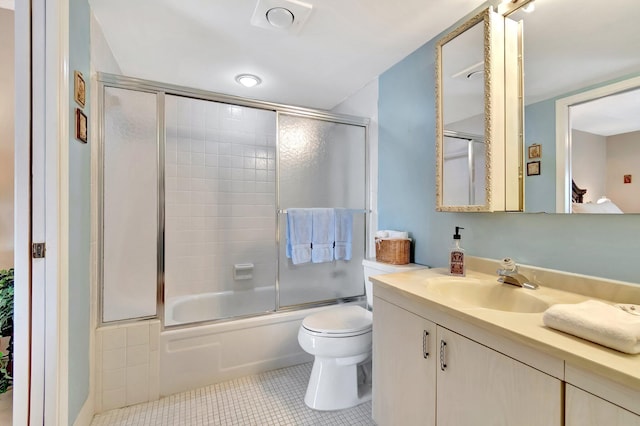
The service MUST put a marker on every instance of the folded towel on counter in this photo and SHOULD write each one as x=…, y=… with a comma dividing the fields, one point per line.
x=344, y=231
x=598, y=322
x=323, y=235
x=299, y=232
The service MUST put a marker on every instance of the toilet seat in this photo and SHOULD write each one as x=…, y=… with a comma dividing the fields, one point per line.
x=343, y=321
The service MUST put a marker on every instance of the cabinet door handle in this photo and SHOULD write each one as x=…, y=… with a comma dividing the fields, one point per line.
x=425, y=350
x=443, y=365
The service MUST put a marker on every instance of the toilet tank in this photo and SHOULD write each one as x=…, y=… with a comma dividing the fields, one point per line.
x=372, y=267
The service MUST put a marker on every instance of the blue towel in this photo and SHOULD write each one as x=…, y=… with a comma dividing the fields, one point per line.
x=299, y=231
x=323, y=235
x=344, y=231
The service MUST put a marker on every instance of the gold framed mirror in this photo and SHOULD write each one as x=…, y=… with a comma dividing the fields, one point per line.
x=478, y=116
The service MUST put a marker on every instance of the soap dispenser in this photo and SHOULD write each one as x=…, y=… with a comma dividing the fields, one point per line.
x=457, y=266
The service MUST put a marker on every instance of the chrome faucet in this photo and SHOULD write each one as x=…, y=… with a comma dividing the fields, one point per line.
x=509, y=274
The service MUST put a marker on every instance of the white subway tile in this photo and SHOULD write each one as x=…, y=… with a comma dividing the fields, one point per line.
x=198, y=171
x=184, y=157
x=113, y=379
x=237, y=149
x=137, y=355
x=154, y=376
x=224, y=148
x=212, y=160
x=137, y=390
x=237, y=161
x=138, y=334
x=154, y=340
x=197, y=145
x=197, y=159
x=113, y=338
x=261, y=176
x=249, y=186
x=184, y=184
x=211, y=147
x=249, y=162
x=237, y=174
x=261, y=164
x=114, y=359
x=224, y=173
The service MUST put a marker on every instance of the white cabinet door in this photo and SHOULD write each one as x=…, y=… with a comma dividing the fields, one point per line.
x=404, y=374
x=584, y=409
x=479, y=386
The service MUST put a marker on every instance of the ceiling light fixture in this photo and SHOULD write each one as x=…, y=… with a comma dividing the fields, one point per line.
x=248, y=80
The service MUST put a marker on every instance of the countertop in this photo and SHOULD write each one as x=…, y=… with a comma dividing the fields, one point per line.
x=523, y=328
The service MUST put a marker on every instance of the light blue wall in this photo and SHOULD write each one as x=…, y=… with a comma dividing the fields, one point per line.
x=599, y=245
x=540, y=128
x=79, y=218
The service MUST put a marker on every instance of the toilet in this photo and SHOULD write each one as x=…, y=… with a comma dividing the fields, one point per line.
x=340, y=340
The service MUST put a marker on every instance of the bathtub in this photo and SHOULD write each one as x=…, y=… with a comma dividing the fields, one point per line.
x=219, y=305
x=193, y=357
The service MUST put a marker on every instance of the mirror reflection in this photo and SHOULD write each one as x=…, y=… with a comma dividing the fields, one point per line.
x=463, y=169
x=605, y=149
x=571, y=49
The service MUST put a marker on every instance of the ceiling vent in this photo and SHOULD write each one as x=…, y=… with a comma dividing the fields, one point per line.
x=287, y=16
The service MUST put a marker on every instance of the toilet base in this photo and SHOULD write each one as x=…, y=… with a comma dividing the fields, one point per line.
x=336, y=384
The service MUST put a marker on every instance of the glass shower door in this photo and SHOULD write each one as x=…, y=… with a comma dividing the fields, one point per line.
x=322, y=164
x=220, y=250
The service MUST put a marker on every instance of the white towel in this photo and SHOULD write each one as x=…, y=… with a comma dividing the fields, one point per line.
x=323, y=235
x=598, y=322
x=344, y=232
x=398, y=235
x=299, y=231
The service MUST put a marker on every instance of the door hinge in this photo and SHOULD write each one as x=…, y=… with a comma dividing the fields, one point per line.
x=38, y=250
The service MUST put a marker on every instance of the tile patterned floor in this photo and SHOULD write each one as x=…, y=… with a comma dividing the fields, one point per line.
x=272, y=398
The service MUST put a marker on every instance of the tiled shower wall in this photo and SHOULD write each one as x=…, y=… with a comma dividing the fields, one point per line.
x=220, y=188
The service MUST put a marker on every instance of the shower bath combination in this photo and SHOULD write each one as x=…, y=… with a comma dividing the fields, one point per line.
x=193, y=189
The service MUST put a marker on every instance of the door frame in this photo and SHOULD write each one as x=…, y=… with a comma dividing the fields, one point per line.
x=41, y=212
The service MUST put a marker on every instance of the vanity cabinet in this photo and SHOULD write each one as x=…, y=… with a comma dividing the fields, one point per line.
x=585, y=409
x=404, y=367
x=477, y=385
x=460, y=382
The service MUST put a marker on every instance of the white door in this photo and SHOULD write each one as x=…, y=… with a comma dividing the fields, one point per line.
x=39, y=366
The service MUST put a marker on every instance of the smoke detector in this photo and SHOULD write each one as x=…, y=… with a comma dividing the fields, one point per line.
x=286, y=16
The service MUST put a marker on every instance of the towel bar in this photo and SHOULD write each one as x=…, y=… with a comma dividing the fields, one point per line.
x=284, y=211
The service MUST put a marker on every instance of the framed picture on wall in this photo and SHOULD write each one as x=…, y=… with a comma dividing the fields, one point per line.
x=535, y=151
x=81, y=126
x=79, y=88
x=533, y=168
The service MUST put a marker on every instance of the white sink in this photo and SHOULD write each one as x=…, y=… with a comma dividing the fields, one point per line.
x=487, y=294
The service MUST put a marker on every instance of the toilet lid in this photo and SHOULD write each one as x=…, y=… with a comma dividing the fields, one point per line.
x=340, y=320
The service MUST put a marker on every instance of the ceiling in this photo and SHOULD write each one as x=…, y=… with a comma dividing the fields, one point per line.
x=342, y=46
x=345, y=44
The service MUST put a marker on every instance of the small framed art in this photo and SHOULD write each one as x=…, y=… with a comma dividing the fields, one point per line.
x=627, y=178
x=81, y=126
x=79, y=88
x=533, y=168
x=535, y=151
